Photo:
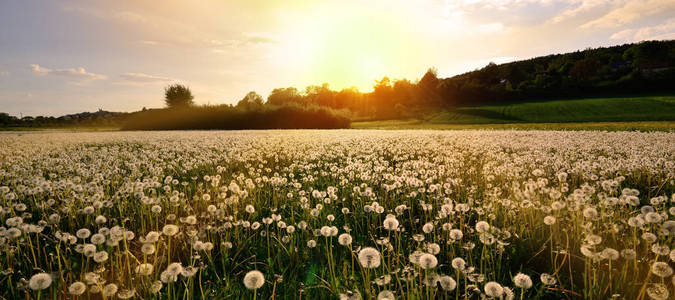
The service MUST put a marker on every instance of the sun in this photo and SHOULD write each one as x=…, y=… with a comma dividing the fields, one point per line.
x=346, y=47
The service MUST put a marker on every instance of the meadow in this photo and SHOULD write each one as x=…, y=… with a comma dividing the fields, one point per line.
x=340, y=214
x=645, y=113
x=619, y=109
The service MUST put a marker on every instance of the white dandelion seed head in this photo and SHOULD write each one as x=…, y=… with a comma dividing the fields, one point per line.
x=174, y=268
x=661, y=269
x=658, y=291
x=547, y=279
x=170, y=230
x=482, y=226
x=345, y=239
x=386, y=295
x=109, y=290
x=522, y=281
x=100, y=256
x=369, y=257
x=390, y=223
x=428, y=261
x=40, y=281
x=428, y=228
x=77, y=288
x=493, y=289
x=456, y=234
x=254, y=280
x=549, y=220
x=458, y=263
x=448, y=284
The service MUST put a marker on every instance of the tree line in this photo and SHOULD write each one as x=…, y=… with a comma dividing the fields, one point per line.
x=629, y=69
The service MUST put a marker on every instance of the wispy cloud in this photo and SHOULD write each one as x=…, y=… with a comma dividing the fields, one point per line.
x=74, y=73
x=495, y=4
x=4, y=73
x=658, y=32
x=142, y=79
x=631, y=12
x=259, y=38
x=579, y=7
x=491, y=27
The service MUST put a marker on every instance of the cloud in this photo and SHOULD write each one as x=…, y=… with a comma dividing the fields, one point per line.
x=491, y=27
x=4, y=73
x=151, y=43
x=142, y=79
x=659, y=32
x=494, y=4
x=76, y=73
x=260, y=38
x=245, y=42
x=131, y=17
x=632, y=11
x=582, y=7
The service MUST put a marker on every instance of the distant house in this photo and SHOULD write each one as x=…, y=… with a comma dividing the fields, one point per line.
x=622, y=65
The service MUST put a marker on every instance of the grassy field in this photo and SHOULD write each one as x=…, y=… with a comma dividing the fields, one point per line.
x=653, y=113
x=614, y=114
x=59, y=129
x=608, y=126
x=582, y=110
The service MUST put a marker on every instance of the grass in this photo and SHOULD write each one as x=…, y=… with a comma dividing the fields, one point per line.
x=61, y=129
x=655, y=113
x=650, y=113
x=562, y=111
x=607, y=126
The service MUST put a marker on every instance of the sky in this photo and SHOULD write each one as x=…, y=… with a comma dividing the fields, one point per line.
x=59, y=57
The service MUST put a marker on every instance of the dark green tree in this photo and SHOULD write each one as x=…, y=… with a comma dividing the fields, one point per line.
x=177, y=95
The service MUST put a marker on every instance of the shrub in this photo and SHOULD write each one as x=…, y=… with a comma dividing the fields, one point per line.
x=233, y=118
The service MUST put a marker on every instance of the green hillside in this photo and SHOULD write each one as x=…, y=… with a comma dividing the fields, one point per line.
x=583, y=110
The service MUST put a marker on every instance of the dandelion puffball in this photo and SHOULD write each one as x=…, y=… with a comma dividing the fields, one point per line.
x=522, y=281
x=170, y=230
x=254, y=280
x=493, y=289
x=447, y=283
x=661, y=269
x=40, y=281
x=428, y=261
x=77, y=288
x=369, y=257
x=345, y=239
x=386, y=295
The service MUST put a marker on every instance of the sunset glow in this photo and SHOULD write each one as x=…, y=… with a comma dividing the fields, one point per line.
x=118, y=55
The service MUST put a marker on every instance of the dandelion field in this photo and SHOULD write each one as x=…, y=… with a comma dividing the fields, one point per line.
x=337, y=215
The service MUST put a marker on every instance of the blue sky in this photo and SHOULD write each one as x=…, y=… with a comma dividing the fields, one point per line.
x=59, y=57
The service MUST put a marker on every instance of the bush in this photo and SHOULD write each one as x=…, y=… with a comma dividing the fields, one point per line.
x=233, y=118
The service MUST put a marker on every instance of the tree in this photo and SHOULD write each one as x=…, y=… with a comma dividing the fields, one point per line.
x=584, y=69
x=177, y=95
x=320, y=95
x=430, y=80
x=251, y=100
x=281, y=96
x=6, y=119
x=428, y=88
